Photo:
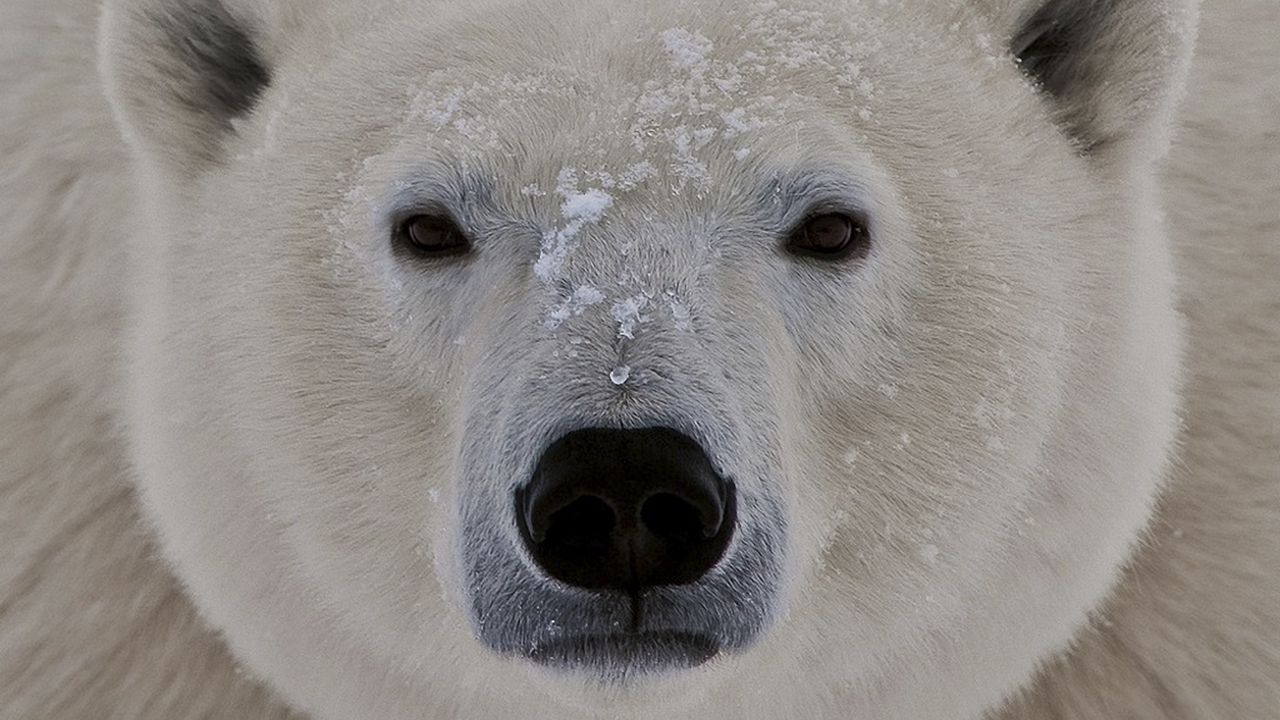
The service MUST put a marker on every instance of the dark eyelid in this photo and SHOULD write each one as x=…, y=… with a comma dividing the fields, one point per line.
x=404, y=214
x=795, y=195
x=444, y=191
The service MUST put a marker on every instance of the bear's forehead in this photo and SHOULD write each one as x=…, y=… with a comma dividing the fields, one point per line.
x=641, y=72
x=641, y=103
x=665, y=92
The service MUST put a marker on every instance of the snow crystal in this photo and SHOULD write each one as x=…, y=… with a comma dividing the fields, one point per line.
x=476, y=131
x=474, y=110
x=951, y=173
x=588, y=295
x=929, y=553
x=584, y=297
x=741, y=154
x=681, y=316
x=554, y=251
x=737, y=122
x=620, y=374
x=688, y=50
x=850, y=457
x=579, y=209
x=439, y=111
x=688, y=167
x=626, y=313
x=586, y=207
x=636, y=174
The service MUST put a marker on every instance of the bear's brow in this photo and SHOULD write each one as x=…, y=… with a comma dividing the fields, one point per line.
x=781, y=200
x=444, y=189
x=789, y=195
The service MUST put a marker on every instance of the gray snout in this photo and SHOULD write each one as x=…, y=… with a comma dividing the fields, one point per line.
x=623, y=552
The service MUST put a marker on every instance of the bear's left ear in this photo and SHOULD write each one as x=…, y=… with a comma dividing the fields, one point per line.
x=179, y=72
x=1113, y=69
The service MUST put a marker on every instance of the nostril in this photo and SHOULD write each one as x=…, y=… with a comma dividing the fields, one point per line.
x=625, y=509
x=584, y=524
x=674, y=519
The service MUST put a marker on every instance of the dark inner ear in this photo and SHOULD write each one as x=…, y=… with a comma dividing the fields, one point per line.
x=1054, y=46
x=219, y=71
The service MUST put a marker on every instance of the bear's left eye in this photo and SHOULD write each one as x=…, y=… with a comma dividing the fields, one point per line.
x=432, y=235
x=830, y=236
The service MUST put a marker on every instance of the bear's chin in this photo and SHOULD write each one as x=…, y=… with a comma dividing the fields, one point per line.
x=617, y=657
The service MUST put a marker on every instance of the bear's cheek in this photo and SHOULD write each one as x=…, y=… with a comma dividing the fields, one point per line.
x=910, y=463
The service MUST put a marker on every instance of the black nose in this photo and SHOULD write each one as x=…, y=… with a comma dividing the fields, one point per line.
x=626, y=509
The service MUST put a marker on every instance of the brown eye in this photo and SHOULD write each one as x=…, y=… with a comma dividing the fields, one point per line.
x=433, y=234
x=831, y=235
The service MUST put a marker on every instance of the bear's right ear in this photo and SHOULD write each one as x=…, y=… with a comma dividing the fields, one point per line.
x=179, y=72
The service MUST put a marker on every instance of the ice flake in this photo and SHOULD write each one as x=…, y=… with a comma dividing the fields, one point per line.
x=476, y=131
x=603, y=178
x=702, y=136
x=729, y=84
x=438, y=111
x=578, y=209
x=737, y=122
x=681, y=316
x=584, y=297
x=620, y=374
x=636, y=174
x=585, y=207
x=688, y=167
x=626, y=313
x=929, y=553
x=687, y=50
x=555, y=248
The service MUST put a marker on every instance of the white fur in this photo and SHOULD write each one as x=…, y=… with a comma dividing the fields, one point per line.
x=972, y=430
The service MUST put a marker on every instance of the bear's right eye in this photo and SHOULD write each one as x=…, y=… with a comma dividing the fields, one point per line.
x=830, y=236
x=432, y=235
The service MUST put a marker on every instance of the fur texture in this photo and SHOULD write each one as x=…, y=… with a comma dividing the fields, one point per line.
x=228, y=402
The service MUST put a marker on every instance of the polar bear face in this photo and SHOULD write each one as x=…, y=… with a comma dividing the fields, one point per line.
x=413, y=280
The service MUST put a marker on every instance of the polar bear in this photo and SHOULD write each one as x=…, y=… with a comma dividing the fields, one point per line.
x=535, y=359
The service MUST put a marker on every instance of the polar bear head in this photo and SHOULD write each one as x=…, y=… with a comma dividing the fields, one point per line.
x=750, y=359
